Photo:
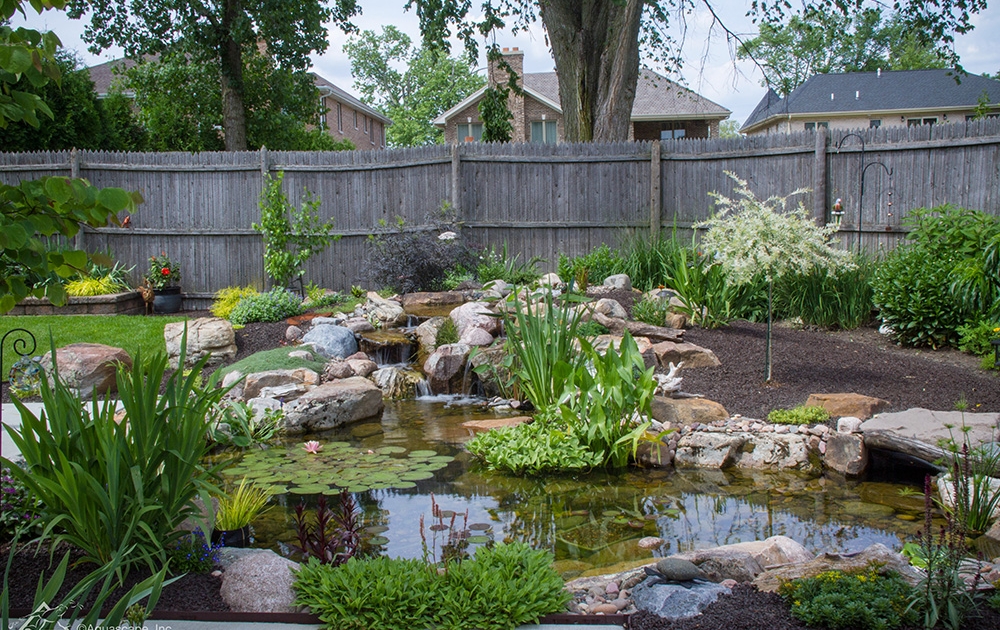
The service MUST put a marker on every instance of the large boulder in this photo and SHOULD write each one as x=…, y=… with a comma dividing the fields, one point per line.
x=778, y=451
x=693, y=356
x=334, y=404
x=745, y=561
x=446, y=367
x=474, y=315
x=619, y=281
x=656, y=334
x=260, y=582
x=258, y=381
x=675, y=601
x=206, y=337
x=610, y=308
x=397, y=383
x=846, y=453
x=427, y=334
x=687, y=411
x=878, y=553
x=331, y=342
x=476, y=337
x=856, y=405
x=88, y=367
x=701, y=449
x=431, y=304
x=389, y=312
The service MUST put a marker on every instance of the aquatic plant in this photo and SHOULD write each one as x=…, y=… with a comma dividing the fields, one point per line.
x=335, y=536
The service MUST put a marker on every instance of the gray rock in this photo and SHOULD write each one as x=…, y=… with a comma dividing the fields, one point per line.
x=389, y=312
x=303, y=355
x=769, y=451
x=550, y=280
x=672, y=601
x=206, y=336
x=846, y=454
x=708, y=450
x=88, y=367
x=476, y=337
x=619, y=281
x=427, y=334
x=445, y=366
x=255, y=383
x=848, y=424
x=293, y=333
x=474, y=315
x=727, y=564
x=336, y=369
x=259, y=582
x=878, y=553
x=333, y=404
x=331, y=341
x=362, y=367
x=610, y=308
x=358, y=325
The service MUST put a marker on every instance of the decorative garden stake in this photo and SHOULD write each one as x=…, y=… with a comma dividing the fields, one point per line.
x=19, y=344
x=862, y=169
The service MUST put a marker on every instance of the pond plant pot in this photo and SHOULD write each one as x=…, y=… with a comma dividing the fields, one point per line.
x=167, y=300
x=239, y=538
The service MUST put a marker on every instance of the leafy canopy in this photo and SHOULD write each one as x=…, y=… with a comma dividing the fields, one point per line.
x=32, y=211
x=430, y=84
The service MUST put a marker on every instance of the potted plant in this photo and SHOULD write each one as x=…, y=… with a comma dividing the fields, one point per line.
x=163, y=277
x=235, y=512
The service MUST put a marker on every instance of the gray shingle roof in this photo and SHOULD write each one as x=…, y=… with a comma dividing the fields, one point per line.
x=655, y=96
x=858, y=92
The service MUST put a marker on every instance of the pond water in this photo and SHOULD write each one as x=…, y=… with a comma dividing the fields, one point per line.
x=401, y=468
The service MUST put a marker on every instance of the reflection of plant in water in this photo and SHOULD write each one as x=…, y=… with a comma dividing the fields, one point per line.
x=455, y=540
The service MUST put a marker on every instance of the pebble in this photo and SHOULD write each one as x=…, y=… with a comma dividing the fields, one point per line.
x=604, y=609
x=650, y=542
x=611, y=588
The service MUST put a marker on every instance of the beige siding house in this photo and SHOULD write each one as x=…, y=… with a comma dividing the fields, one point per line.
x=346, y=117
x=662, y=109
x=860, y=100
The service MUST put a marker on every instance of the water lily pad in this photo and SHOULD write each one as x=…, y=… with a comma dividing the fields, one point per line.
x=479, y=539
x=403, y=485
x=480, y=527
x=376, y=529
x=417, y=475
x=422, y=454
x=378, y=540
x=301, y=490
x=389, y=450
x=356, y=488
x=446, y=513
x=438, y=527
x=433, y=466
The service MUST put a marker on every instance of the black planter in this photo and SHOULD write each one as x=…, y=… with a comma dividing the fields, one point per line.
x=167, y=300
x=232, y=537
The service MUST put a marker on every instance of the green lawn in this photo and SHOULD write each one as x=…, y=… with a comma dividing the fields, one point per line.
x=130, y=332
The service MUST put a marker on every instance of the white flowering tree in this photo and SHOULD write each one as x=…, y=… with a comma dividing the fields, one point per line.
x=748, y=236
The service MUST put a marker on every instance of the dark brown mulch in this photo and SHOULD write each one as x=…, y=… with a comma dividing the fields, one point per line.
x=749, y=609
x=193, y=592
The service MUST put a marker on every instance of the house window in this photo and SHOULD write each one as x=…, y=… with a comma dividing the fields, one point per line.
x=366, y=125
x=473, y=130
x=543, y=131
x=355, y=119
x=670, y=131
x=340, y=117
x=874, y=123
x=916, y=122
x=811, y=126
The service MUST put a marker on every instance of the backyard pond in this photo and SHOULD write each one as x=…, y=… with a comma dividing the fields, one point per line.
x=414, y=485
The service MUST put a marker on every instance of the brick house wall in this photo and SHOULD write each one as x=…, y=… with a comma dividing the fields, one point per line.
x=342, y=121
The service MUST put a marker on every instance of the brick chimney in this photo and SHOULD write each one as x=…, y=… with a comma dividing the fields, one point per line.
x=515, y=59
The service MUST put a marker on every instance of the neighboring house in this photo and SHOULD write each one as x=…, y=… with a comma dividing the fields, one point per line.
x=345, y=117
x=662, y=109
x=859, y=100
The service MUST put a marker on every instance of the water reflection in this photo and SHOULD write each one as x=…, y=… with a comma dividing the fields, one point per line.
x=594, y=521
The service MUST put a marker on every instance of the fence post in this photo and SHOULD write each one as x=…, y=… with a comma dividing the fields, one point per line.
x=819, y=177
x=655, y=206
x=264, y=168
x=74, y=173
x=456, y=174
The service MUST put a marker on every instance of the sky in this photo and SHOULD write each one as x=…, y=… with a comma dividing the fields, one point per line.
x=709, y=67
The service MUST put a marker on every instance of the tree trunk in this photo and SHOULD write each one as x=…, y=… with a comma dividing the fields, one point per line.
x=767, y=342
x=596, y=48
x=234, y=121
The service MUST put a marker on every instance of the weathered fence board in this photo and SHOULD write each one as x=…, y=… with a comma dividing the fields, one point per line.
x=540, y=199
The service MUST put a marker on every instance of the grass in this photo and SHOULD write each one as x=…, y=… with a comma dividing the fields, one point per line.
x=129, y=332
x=276, y=359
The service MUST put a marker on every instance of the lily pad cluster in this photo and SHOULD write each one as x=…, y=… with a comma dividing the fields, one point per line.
x=337, y=467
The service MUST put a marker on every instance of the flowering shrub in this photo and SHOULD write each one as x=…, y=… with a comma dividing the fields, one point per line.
x=163, y=272
x=193, y=554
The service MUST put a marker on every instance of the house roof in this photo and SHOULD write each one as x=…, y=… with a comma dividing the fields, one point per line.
x=103, y=75
x=656, y=98
x=870, y=92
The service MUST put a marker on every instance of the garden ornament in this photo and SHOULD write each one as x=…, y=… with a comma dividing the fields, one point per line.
x=675, y=571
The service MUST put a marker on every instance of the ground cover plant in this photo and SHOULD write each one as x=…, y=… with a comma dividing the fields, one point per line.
x=863, y=600
x=273, y=359
x=500, y=587
x=272, y=306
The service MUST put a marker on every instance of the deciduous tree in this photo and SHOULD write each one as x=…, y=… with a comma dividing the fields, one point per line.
x=217, y=33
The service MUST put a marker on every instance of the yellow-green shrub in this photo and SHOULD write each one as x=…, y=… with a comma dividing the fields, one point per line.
x=227, y=299
x=104, y=285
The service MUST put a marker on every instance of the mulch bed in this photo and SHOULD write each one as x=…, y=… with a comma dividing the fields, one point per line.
x=805, y=362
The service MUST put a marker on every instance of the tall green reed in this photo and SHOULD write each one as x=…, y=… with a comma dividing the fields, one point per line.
x=830, y=299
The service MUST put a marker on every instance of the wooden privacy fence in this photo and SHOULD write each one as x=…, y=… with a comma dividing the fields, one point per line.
x=540, y=199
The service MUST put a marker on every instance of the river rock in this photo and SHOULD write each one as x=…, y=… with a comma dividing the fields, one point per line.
x=293, y=334
x=770, y=552
x=260, y=582
x=427, y=334
x=331, y=342
x=849, y=424
x=856, y=405
x=358, y=325
x=846, y=454
x=619, y=281
x=687, y=411
x=445, y=368
x=497, y=289
x=256, y=382
x=495, y=423
x=474, y=315
x=333, y=404
x=431, y=304
x=693, y=356
x=655, y=334
x=550, y=280
x=206, y=337
x=675, y=602
x=389, y=312
x=396, y=383
x=362, y=367
x=610, y=308
x=708, y=450
x=771, y=579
